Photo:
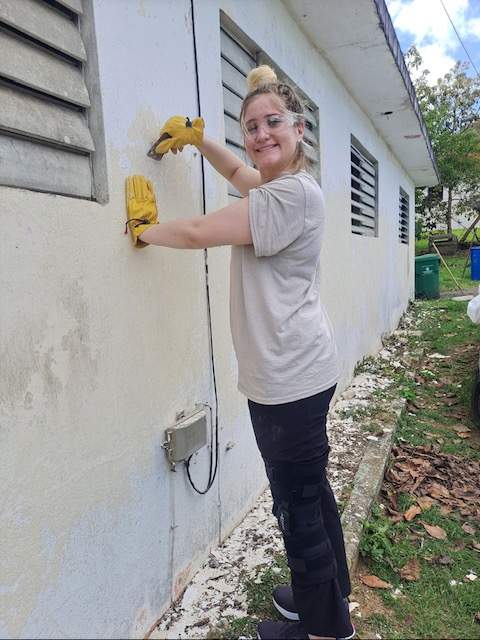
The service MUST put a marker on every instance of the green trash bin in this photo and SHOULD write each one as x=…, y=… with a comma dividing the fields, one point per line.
x=427, y=278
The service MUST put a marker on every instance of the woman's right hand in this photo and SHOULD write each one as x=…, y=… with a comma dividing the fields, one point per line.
x=176, y=133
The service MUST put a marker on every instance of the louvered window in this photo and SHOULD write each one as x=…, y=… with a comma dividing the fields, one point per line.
x=403, y=216
x=236, y=63
x=237, y=59
x=47, y=113
x=363, y=191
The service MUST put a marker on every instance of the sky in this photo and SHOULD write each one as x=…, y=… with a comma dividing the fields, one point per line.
x=425, y=24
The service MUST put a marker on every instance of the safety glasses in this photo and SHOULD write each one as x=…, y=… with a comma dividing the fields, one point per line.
x=272, y=123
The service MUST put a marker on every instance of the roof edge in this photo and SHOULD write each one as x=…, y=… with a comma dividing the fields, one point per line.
x=394, y=46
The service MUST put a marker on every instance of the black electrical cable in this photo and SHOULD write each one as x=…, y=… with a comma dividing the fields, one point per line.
x=460, y=39
x=212, y=469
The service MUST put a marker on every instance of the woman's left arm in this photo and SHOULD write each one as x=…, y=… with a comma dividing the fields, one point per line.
x=227, y=226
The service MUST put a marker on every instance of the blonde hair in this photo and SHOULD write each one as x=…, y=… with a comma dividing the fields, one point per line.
x=263, y=80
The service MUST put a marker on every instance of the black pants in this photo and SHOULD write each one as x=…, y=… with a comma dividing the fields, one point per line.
x=293, y=441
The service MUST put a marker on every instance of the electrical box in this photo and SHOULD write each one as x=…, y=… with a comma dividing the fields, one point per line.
x=186, y=437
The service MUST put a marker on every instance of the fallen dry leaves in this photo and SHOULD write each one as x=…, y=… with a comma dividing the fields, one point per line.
x=374, y=582
x=435, y=531
x=460, y=428
x=411, y=571
x=469, y=529
x=413, y=511
x=425, y=503
x=434, y=478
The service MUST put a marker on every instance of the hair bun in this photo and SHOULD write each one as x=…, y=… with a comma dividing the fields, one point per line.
x=260, y=77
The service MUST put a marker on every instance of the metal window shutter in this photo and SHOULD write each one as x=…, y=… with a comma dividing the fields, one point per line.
x=363, y=189
x=45, y=141
x=39, y=21
x=236, y=62
x=74, y=5
x=403, y=216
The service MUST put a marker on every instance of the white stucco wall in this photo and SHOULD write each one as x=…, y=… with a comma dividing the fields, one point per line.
x=102, y=344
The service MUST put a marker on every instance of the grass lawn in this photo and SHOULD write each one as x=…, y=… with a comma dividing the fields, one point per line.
x=456, y=265
x=434, y=592
x=421, y=246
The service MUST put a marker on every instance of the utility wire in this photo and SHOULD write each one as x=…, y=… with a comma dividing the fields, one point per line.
x=214, y=441
x=460, y=39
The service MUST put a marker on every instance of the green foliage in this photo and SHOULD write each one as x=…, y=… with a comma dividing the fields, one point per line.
x=419, y=228
x=456, y=265
x=450, y=109
x=377, y=536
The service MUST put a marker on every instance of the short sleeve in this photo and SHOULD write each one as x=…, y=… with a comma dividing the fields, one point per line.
x=277, y=214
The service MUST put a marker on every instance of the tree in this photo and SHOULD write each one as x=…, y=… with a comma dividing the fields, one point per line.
x=451, y=111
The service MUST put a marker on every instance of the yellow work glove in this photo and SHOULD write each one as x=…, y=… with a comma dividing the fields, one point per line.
x=176, y=133
x=141, y=207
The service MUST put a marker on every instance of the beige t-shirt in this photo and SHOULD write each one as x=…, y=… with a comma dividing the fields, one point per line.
x=282, y=336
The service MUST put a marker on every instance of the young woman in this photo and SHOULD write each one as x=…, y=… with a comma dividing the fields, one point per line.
x=282, y=337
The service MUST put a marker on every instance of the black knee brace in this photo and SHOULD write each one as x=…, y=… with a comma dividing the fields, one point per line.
x=297, y=491
x=309, y=552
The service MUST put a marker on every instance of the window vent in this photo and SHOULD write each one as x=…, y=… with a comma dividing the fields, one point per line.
x=403, y=216
x=238, y=58
x=236, y=63
x=47, y=53
x=363, y=191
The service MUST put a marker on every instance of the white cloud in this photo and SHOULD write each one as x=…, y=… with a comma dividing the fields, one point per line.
x=436, y=60
x=431, y=31
x=475, y=27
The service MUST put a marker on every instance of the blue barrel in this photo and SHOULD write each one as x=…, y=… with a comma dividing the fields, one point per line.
x=475, y=263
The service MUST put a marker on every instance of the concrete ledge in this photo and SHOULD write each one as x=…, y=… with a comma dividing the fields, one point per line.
x=366, y=485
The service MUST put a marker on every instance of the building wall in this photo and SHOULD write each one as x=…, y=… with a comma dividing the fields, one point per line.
x=102, y=345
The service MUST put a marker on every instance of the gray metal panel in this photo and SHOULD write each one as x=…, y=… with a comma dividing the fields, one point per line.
x=233, y=78
x=232, y=104
x=362, y=175
x=73, y=5
x=33, y=67
x=233, y=132
x=235, y=53
x=186, y=437
x=365, y=222
x=28, y=115
x=364, y=197
x=366, y=162
x=363, y=231
x=34, y=166
x=95, y=114
x=363, y=187
x=37, y=19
